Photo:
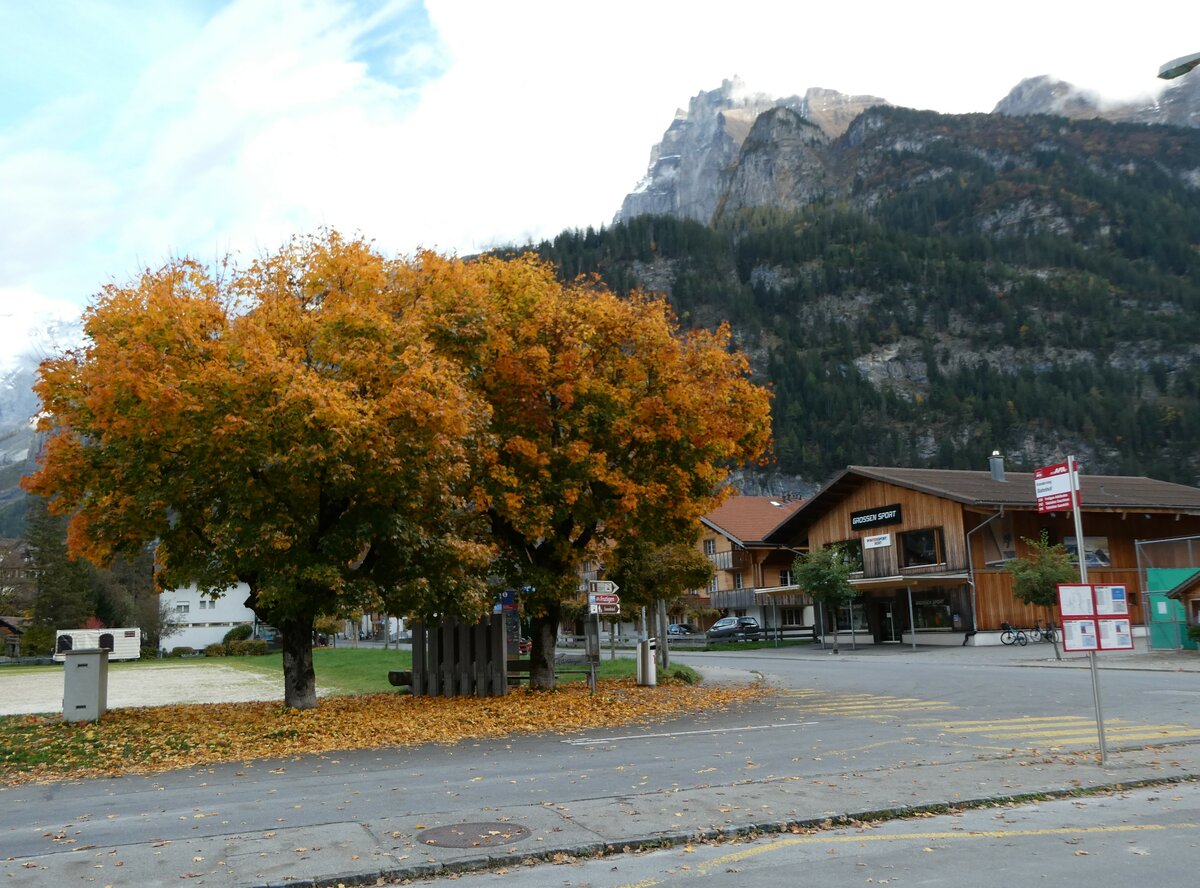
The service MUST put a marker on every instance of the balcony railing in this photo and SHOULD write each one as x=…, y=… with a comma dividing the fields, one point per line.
x=734, y=559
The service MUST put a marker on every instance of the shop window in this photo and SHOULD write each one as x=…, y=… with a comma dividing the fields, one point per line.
x=855, y=612
x=932, y=614
x=919, y=548
x=999, y=542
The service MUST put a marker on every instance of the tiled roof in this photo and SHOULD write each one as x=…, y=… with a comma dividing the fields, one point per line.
x=980, y=488
x=748, y=519
x=972, y=488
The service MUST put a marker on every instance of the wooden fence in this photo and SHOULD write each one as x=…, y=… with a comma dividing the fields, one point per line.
x=453, y=659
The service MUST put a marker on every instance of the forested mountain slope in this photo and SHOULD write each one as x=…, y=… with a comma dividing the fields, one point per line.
x=927, y=288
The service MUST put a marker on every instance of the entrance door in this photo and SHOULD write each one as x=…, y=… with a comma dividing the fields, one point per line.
x=887, y=620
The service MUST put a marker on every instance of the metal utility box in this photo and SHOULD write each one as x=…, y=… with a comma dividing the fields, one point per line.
x=85, y=684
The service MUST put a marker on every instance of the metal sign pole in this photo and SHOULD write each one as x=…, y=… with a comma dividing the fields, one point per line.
x=1081, y=554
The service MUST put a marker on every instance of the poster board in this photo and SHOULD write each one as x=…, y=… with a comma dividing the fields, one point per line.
x=1095, y=617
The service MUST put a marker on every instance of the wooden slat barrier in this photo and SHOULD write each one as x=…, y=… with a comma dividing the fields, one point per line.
x=452, y=658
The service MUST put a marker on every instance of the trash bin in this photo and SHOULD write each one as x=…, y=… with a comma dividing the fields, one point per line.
x=85, y=684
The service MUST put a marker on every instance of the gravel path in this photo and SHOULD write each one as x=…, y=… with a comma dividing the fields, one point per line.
x=149, y=684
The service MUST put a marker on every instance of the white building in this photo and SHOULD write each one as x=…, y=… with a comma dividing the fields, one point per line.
x=202, y=621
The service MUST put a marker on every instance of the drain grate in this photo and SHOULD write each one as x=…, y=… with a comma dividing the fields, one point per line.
x=474, y=835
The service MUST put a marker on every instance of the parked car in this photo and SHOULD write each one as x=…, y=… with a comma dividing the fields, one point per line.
x=681, y=629
x=734, y=628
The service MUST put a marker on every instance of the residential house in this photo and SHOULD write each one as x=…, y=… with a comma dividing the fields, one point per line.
x=933, y=544
x=10, y=636
x=200, y=620
x=754, y=577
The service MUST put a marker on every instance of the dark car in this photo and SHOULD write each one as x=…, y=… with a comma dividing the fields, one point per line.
x=734, y=628
x=681, y=629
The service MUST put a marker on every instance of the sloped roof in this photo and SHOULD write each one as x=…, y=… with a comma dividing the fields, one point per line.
x=748, y=519
x=973, y=488
x=1186, y=587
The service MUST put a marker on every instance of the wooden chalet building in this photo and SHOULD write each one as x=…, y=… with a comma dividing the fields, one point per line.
x=753, y=578
x=933, y=544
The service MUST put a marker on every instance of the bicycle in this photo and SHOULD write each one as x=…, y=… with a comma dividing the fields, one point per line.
x=1047, y=633
x=1013, y=635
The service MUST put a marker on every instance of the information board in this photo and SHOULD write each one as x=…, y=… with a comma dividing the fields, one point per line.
x=1094, y=617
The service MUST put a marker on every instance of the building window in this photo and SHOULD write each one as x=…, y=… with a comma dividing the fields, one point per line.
x=791, y=616
x=712, y=584
x=932, y=613
x=999, y=542
x=737, y=579
x=859, y=615
x=710, y=547
x=919, y=548
x=785, y=578
x=182, y=608
x=852, y=550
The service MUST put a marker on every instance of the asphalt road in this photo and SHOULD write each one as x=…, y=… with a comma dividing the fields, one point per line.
x=843, y=734
x=1142, y=837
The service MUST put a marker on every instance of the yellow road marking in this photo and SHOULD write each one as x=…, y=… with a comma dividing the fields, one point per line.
x=1024, y=719
x=818, y=839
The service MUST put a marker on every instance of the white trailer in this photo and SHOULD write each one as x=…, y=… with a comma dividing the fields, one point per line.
x=121, y=644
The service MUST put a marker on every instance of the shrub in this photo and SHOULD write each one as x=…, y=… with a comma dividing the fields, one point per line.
x=37, y=641
x=149, y=653
x=250, y=647
x=239, y=633
x=182, y=651
x=216, y=649
x=1194, y=632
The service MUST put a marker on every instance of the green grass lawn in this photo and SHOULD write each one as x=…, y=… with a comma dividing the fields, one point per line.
x=349, y=670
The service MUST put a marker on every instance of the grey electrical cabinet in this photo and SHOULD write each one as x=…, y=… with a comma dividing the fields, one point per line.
x=85, y=684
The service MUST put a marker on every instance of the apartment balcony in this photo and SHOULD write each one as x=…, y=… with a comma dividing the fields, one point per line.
x=734, y=559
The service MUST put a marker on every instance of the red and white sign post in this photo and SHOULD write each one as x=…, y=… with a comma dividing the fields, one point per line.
x=1057, y=489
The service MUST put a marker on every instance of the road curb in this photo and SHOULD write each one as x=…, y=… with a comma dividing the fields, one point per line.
x=679, y=838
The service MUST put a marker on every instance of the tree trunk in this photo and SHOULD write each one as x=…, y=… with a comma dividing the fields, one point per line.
x=664, y=656
x=544, y=635
x=299, y=678
x=835, y=626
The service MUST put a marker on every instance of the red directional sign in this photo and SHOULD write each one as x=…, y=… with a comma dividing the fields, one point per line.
x=604, y=599
x=1054, y=486
x=608, y=608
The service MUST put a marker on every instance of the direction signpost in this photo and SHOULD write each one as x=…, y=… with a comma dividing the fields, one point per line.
x=602, y=600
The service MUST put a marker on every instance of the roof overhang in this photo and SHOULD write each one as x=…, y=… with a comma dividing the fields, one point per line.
x=917, y=581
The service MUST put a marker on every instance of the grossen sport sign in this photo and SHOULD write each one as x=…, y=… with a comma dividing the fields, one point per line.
x=881, y=517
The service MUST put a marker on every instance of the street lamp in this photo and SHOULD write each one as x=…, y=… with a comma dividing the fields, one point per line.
x=1180, y=66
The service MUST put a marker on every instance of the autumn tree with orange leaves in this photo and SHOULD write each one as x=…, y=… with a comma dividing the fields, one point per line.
x=340, y=430
x=288, y=426
x=606, y=419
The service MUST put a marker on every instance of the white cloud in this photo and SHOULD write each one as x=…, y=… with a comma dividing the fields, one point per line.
x=273, y=117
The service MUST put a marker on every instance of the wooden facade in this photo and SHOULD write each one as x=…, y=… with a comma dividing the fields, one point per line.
x=933, y=545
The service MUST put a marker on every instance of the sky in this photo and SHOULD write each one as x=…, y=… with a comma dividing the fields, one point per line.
x=134, y=131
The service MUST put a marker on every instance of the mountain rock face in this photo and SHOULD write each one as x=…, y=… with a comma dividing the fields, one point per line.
x=924, y=288
x=688, y=168
x=1178, y=105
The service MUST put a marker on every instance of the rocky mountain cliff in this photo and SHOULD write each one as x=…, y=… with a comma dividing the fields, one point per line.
x=1179, y=104
x=923, y=288
x=686, y=175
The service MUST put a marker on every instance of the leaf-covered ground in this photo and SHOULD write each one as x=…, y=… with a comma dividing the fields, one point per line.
x=143, y=740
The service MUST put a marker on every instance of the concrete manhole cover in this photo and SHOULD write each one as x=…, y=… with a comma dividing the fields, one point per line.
x=474, y=835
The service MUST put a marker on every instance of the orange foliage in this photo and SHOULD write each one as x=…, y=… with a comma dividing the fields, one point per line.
x=144, y=740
